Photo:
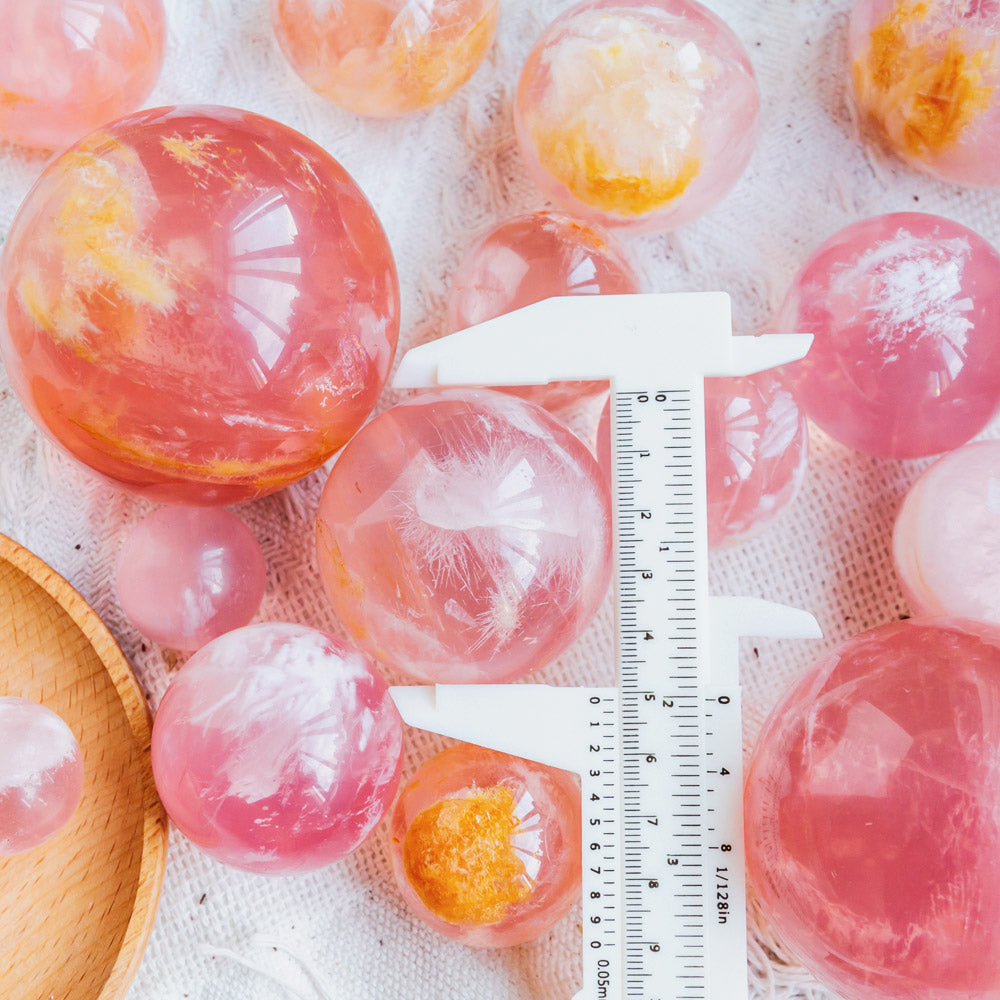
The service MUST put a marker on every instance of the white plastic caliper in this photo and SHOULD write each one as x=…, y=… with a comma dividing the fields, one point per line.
x=660, y=754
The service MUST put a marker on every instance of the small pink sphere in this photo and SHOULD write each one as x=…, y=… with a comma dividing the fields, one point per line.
x=872, y=801
x=67, y=66
x=198, y=303
x=947, y=536
x=188, y=574
x=639, y=113
x=925, y=78
x=905, y=311
x=276, y=749
x=465, y=536
x=385, y=57
x=41, y=774
x=486, y=847
x=756, y=450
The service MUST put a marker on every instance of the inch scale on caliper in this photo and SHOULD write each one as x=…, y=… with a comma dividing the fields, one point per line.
x=659, y=754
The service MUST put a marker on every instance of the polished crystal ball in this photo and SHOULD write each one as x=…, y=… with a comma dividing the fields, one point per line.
x=946, y=542
x=925, y=75
x=872, y=803
x=486, y=847
x=187, y=574
x=41, y=774
x=905, y=312
x=465, y=536
x=67, y=66
x=385, y=57
x=198, y=303
x=756, y=450
x=639, y=113
x=276, y=748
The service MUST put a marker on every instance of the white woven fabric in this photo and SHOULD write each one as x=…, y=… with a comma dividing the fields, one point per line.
x=436, y=179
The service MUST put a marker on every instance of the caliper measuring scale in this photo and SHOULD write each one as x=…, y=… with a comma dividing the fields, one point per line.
x=659, y=754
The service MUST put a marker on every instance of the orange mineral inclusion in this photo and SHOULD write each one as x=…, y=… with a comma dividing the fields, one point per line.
x=459, y=857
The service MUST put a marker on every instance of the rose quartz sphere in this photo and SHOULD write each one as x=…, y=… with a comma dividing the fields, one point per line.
x=905, y=311
x=465, y=536
x=198, y=303
x=276, y=748
x=871, y=814
x=385, y=57
x=756, y=450
x=946, y=543
x=187, y=574
x=486, y=847
x=639, y=113
x=41, y=774
x=67, y=66
x=925, y=78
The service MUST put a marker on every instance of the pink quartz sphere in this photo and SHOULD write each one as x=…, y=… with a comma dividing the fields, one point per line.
x=872, y=803
x=67, y=66
x=757, y=452
x=276, y=749
x=197, y=303
x=187, y=574
x=905, y=312
x=385, y=57
x=639, y=113
x=925, y=75
x=946, y=543
x=486, y=847
x=41, y=774
x=465, y=536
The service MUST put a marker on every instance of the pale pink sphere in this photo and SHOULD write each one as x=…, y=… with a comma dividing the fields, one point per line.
x=925, y=78
x=946, y=543
x=276, y=749
x=639, y=113
x=41, y=774
x=756, y=450
x=67, y=66
x=872, y=804
x=385, y=57
x=464, y=536
x=486, y=847
x=187, y=574
x=198, y=303
x=905, y=312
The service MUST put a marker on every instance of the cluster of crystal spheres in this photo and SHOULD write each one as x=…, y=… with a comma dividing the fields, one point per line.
x=871, y=805
x=100, y=58
x=464, y=536
x=198, y=303
x=925, y=77
x=277, y=748
x=385, y=57
x=946, y=540
x=637, y=114
x=186, y=575
x=41, y=774
x=486, y=847
x=905, y=310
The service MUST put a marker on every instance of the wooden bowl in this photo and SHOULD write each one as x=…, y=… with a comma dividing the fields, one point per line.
x=75, y=913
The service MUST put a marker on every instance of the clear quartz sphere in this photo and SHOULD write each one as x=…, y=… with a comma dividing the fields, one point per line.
x=276, y=748
x=486, y=847
x=197, y=303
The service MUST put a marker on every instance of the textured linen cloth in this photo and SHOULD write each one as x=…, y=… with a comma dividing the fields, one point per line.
x=437, y=179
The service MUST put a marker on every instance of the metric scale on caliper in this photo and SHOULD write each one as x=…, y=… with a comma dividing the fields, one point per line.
x=659, y=754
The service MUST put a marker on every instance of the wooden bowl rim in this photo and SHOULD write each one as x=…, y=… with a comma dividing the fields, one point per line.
x=154, y=822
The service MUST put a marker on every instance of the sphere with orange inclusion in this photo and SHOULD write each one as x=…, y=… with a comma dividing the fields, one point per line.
x=385, y=58
x=925, y=76
x=638, y=114
x=486, y=847
x=198, y=303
